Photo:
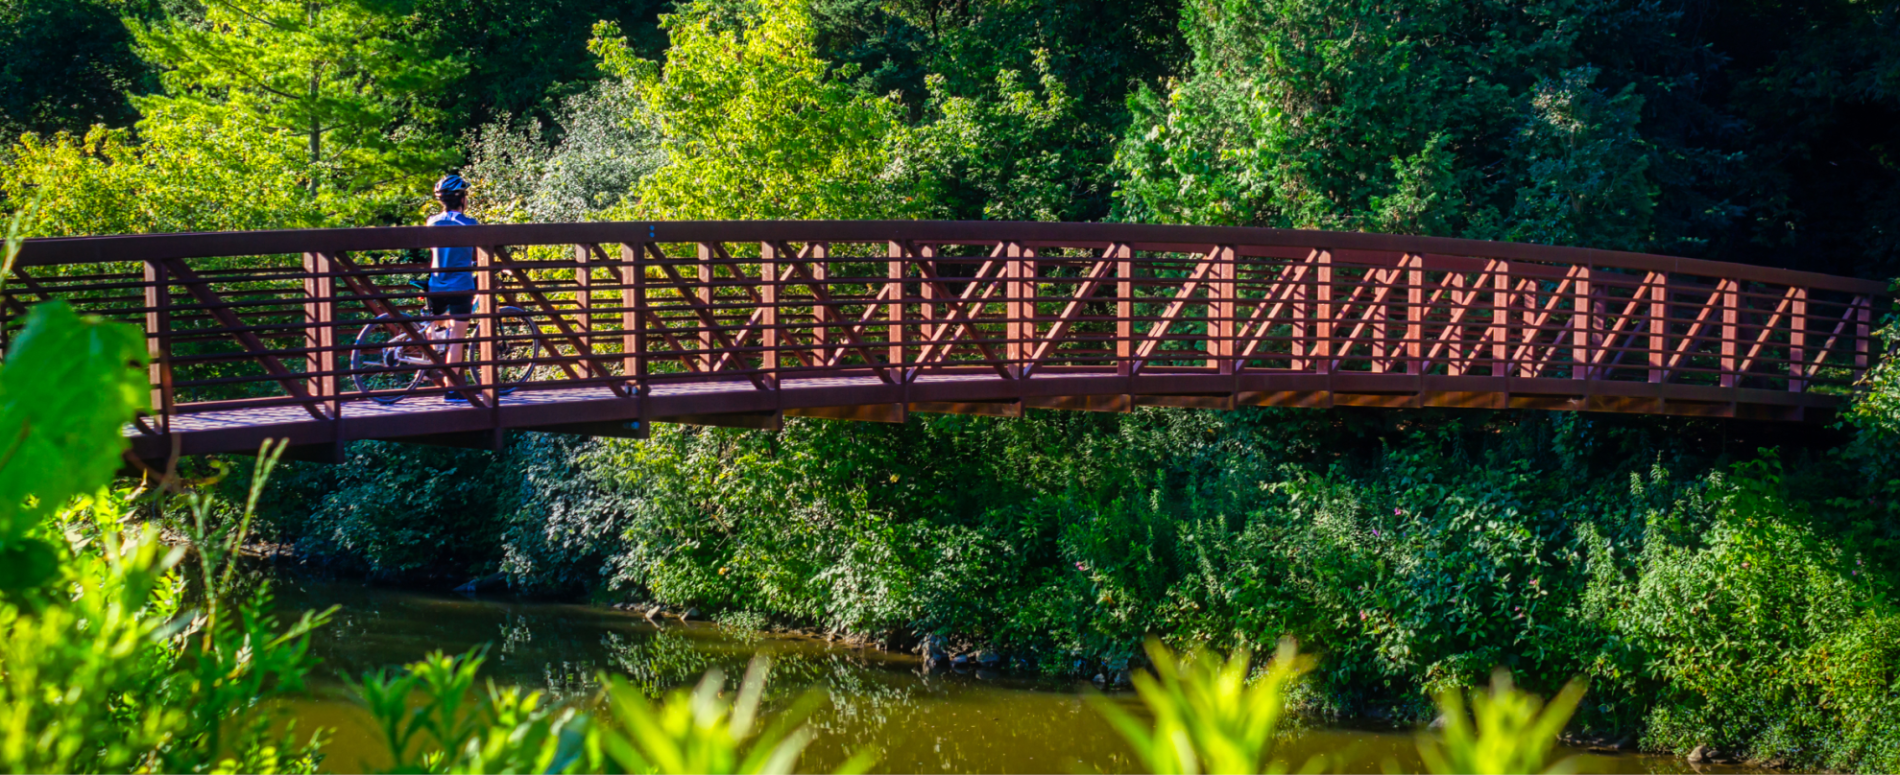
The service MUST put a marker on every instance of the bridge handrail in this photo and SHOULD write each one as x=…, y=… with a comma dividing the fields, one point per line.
x=142, y=247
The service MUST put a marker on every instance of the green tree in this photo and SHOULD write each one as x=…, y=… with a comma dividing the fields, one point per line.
x=1814, y=90
x=69, y=65
x=524, y=57
x=755, y=125
x=332, y=73
x=177, y=170
x=1019, y=102
x=1482, y=119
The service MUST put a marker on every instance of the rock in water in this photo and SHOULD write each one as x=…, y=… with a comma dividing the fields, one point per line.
x=1702, y=753
x=931, y=649
x=490, y=583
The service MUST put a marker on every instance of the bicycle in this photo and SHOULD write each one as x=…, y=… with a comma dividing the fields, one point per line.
x=388, y=364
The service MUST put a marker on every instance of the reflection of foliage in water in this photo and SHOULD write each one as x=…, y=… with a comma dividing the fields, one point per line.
x=862, y=695
x=659, y=662
x=562, y=679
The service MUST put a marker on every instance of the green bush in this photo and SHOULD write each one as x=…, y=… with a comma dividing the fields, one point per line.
x=102, y=666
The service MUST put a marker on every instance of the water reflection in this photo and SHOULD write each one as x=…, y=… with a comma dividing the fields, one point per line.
x=944, y=722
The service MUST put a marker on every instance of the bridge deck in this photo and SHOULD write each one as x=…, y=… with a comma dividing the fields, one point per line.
x=597, y=410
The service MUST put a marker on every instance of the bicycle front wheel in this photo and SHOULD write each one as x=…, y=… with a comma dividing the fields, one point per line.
x=386, y=364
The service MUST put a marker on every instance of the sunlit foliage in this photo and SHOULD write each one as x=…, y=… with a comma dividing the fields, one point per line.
x=1505, y=731
x=101, y=667
x=333, y=75
x=755, y=125
x=1210, y=714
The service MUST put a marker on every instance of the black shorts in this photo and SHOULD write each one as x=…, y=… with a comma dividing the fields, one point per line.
x=457, y=304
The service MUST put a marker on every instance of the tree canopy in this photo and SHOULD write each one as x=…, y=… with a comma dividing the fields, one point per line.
x=1745, y=131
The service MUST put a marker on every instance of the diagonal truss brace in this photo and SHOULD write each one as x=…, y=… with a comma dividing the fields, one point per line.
x=215, y=305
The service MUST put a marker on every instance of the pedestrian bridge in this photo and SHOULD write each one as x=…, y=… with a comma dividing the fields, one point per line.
x=605, y=328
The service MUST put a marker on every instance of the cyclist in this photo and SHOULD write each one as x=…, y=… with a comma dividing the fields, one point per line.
x=451, y=282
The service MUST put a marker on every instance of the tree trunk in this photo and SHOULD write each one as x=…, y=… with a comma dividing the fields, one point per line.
x=316, y=134
x=316, y=82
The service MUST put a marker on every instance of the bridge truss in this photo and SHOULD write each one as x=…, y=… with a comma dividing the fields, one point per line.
x=741, y=323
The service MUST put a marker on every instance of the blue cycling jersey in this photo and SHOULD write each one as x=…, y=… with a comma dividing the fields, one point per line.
x=450, y=265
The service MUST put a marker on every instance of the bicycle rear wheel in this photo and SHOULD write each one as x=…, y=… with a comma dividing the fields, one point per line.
x=386, y=364
x=519, y=348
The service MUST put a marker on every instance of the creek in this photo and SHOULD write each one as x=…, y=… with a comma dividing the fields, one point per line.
x=946, y=721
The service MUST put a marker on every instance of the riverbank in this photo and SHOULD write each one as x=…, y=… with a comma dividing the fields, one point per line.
x=1713, y=593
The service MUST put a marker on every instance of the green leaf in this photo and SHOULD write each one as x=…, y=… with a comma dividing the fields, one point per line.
x=69, y=386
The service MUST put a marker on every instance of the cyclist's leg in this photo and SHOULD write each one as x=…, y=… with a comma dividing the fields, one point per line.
x=458, y=330
x=458, y=309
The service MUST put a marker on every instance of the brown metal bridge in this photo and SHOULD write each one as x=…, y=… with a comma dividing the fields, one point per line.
x=255, y=335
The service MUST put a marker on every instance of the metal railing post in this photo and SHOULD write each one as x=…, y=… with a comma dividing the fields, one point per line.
x=1415, y=314
x=769, y=260
x=708, y=339
x=1863, y=334
x=1798, y=341
x=158, y=327
x=633, y=302
x=485, y=286
x=1500, y=331
x=1582, y=317
x=898, y=252
x=1323, y=312
x=319, y=285
x=1220, y=309
x=1728, y=291
x=1020, y=307
x=1658, y=325
x=584, y=289
x=1124, y=308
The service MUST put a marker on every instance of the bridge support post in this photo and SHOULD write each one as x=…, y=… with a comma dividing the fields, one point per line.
x=899, y=253
x=1020, y=291
x=584, y=290
x=633, y=303
x=1322, y=308
x=1220, y=309
x=1658, y=324
x=1863, y=334
x=819, y=255
x=708, y=337
x=1500, y=330
x=158, y=329
x=1414, y=315
x=485, y=285
x=1797, y=340
x=319, y=287
x=769, y=260
x=1728, y=294
x=1582, y=324
x=1124, y=258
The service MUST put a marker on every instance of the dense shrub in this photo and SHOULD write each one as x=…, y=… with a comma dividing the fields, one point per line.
x=392, y=509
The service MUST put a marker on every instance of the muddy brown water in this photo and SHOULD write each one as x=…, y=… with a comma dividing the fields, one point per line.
x=939, y=722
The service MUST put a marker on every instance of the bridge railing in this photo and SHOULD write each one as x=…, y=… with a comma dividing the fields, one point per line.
x=1183, y=315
